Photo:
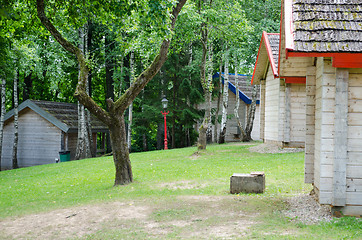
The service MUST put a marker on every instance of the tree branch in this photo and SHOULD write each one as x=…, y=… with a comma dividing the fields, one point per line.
x=80, y=92
x=131, y=93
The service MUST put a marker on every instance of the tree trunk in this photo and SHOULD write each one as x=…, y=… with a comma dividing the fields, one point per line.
x=225, y=100
x=121, y=159
x=251, y=116
x=16, y=126
x=87, y=49
x=209, y=93
x=114, y=117
x=218, y=105
x=236, y=109
x=83, y=146
x=202, y=140
x=83, y=149
x=2, y=115
x=130, y=109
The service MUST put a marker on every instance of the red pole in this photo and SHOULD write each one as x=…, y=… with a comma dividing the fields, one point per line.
x=164, y=117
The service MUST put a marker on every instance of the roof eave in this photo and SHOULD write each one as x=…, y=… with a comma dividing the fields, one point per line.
x=30, y=104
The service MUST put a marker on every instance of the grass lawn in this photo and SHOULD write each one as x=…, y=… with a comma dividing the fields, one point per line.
x=170, y=184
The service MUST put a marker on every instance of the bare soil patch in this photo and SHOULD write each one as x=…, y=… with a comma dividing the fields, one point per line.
x=273, y=148
x=182, y=185
x=201, y=217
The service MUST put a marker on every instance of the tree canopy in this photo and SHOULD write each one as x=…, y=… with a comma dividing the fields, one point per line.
x=40, y=43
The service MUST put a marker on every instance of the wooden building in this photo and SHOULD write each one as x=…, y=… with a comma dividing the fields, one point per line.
x=245, y=91
x=321, y=42
x=45, y=129
x=282, y=108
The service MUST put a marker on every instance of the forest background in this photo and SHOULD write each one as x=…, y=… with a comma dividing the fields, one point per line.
x=118, y=51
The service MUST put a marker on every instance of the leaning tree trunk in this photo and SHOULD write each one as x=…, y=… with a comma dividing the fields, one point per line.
x=2, y=115
x=225, y=100
x=16, y=126
x=113, y=118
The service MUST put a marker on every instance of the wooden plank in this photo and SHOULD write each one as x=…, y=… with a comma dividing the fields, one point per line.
x=355, y=106
x=355, y=157
x=326, y=171
x=325, y=197
x=287, y=113
x=354, y=198
x=340, y=138
x=352, y=210
x=354, y=171
x=354, y=184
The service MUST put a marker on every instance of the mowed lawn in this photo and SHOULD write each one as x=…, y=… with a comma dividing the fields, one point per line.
x=165, y=176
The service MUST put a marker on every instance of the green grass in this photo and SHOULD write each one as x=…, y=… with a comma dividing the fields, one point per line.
x=163, y=176
x=46, y=187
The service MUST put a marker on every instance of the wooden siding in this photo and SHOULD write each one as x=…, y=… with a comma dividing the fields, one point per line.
x=354, y=143
x=255, y=134
x=297, y=113
x=272, y=89
x=39, y=141
x=262, y=109
x=324, y=130
x=310, y=119
x=338, y=152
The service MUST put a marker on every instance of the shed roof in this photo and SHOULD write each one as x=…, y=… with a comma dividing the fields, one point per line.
x=245, y=88
x=320, y=26
x=62, y=115
x=268, y=53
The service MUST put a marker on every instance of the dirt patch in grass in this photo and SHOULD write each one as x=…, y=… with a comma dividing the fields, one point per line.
x=182, y=185
x=201, y=217
x=273, y=148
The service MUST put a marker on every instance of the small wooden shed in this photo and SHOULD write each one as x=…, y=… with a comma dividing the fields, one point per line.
x=282, y=108
x=245, y=91
x=45, y=129
x=322, y=42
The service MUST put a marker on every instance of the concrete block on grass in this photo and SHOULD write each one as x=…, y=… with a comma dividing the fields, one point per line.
x=247, y=183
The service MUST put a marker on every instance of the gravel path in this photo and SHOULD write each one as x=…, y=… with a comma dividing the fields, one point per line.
x=304, y=208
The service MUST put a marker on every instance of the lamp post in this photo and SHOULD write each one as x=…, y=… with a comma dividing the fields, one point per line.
x=164, y=102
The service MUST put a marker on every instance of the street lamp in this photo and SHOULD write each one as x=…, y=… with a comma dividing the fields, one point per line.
x=164, y=102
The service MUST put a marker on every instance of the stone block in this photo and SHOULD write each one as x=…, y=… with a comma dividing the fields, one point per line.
x=247, y=183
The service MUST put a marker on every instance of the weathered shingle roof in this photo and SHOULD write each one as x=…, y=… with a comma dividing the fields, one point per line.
x=327, y=25
x=62, y=115
x=268, y=55
x=245, y=87
x=274, y=45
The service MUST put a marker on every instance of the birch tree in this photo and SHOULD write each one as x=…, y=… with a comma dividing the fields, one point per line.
x=247, y=129
x=225, y=99
x=219, y=94
x=2, y=115
x=114, y=117
x=16, y=123
x=83, y=149
x=130, y=108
